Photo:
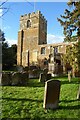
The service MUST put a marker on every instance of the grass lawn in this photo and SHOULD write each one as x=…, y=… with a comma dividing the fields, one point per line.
x=27, y=101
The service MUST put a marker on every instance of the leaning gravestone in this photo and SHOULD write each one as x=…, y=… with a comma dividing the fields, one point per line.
x=51, y=94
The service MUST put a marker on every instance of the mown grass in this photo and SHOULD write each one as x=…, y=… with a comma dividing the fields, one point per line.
x=27, y=101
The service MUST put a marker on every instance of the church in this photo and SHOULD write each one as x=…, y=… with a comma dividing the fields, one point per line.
x=32, y=43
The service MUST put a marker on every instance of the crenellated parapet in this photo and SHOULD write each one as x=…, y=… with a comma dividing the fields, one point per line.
x=37, y=15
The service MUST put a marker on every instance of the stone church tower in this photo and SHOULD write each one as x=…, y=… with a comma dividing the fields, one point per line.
x=32, y=33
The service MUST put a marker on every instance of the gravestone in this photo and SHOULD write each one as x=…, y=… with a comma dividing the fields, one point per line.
x=15, y=78
x=51, y=94
x=78, y=93
x=23, y=78
x=0, y=78
x=51, y=67
x=26, y=69
x=43, y=76
x=45, y=71
x=20, y=68
x=69, y=76
x=48, y=76
x=6, y=79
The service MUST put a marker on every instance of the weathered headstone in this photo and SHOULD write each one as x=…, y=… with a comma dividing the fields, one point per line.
x=78, y=93
x=20, y=68
x=45, y=71
x=33, y=73
x=51, y=94
x=23, y=78
x=48, y=76
x=69, y=76
x=26, y=69
x=6, y=78
x=0, y=78
x=43, y=76
x=51, y=67
x=15, y=78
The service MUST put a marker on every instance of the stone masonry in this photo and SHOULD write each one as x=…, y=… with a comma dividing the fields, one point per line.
x=33, y=32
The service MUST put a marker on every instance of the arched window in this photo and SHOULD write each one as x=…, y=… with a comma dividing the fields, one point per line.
x=28, y=23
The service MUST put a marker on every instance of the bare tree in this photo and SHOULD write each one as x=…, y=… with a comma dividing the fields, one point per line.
x=4, y=9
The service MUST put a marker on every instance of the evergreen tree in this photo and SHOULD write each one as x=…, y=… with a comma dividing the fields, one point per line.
x=71, y=21
x=8, y=54
x=71, y=27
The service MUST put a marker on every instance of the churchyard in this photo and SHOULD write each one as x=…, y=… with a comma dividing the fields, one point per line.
x=44, y=79
x=27, y=101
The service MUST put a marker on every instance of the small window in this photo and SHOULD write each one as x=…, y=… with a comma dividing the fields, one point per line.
x=43, y=50
x=28, y=23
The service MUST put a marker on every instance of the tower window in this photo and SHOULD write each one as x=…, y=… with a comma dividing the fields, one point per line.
x=28, y=23
x=43, y=50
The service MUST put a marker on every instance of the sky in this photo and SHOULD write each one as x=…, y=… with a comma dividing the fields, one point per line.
x=50, y=10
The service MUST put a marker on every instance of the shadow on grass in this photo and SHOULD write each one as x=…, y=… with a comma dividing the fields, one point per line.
x=30, y=83
x=67, y=101
x=39, y=101
x=39, y=118
x=21, y=99
x=69, y=107
x=67, y=82
x=35, y=83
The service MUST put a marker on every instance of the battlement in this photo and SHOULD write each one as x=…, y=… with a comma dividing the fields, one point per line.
x=33, y=14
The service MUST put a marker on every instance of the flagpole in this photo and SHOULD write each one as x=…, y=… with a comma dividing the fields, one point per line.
x=34, y=5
